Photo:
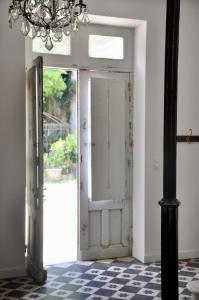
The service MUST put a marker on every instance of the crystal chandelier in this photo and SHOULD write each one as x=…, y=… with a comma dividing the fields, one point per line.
x=48, y=19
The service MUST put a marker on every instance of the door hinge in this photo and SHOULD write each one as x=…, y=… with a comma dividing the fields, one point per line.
x=80, y=159
x=37, y=161
x=81, y=186
x=35, y=192
x=130, y=163
x=129, y=86
x=130, y=92
x=25, y=249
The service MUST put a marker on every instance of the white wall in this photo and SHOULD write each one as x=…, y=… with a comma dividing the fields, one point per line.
x=12, y=149
x=188, y=117
x=147, y=195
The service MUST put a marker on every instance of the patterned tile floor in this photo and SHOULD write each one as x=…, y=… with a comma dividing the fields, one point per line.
x=113, y=279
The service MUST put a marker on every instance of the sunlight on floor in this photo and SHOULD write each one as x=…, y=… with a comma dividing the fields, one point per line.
x=60, y=222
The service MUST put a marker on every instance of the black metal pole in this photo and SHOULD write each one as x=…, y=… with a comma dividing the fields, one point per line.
x=169, y=204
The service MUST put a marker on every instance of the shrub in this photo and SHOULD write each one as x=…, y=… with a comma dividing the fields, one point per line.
x=63, y=154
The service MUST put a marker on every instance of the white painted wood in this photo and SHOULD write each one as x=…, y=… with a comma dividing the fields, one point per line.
x=115, y=227
x=13, y=272
x=35, y=172
x=101, y=253
x=126, y=233
x=117, y=139
x=99, y=138
x=105, y=204
x=105, y=228
x=105, y=208
x=84, y=129
x=95, y=223
x=108, y=127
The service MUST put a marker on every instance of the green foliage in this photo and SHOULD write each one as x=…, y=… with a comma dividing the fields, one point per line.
x=54, y=86
x=54, y=136
x=59, y=85
x=68, y=93
x=70, y=150
x=63, y=154
x=55, y=158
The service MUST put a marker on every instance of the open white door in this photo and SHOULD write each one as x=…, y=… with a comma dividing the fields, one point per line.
x=34, y=180
x=105, y=171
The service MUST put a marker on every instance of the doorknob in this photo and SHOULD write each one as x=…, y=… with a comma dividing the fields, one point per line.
x=84, y=227
x=84, y=125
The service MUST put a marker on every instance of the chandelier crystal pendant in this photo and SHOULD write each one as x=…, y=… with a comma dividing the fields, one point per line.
x=48, y=19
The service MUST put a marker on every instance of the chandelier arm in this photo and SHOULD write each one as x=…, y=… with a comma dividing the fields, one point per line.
x=26, y=15
x=48, y=8
x=51, y=14
x=62, y=26
x=67, y=7
x=38, y=24
x=53, y=9
x=62, y=8
x=47, y=26
x=77, y=14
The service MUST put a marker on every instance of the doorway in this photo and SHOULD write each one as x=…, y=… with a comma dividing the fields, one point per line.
x=60, y=165
x=104, y=132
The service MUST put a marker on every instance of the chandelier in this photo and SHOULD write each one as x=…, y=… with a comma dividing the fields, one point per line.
x=48, y=19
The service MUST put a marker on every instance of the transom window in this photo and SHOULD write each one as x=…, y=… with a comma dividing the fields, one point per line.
x=110, y=47
x=60, y=48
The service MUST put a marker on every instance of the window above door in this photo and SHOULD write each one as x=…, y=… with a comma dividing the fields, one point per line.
x=92, y=47
x=109, y=47
x=61, y=48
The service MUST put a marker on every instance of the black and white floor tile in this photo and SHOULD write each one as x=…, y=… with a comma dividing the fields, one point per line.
x=100, y=280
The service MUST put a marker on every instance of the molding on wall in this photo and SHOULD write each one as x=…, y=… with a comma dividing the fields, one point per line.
x=12, y=272
x=188, y=254
x=138, y=256
x=152, y=258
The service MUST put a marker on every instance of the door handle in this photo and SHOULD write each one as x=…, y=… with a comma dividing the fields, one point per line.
x=84, y=227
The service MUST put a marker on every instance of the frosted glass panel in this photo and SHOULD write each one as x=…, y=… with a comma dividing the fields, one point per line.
x=110, y=47
x=60, y=48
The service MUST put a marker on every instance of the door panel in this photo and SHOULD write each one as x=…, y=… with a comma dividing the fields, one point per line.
x=105, y=197
x=117, y=139
x=99, y=139
x=34, y=179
